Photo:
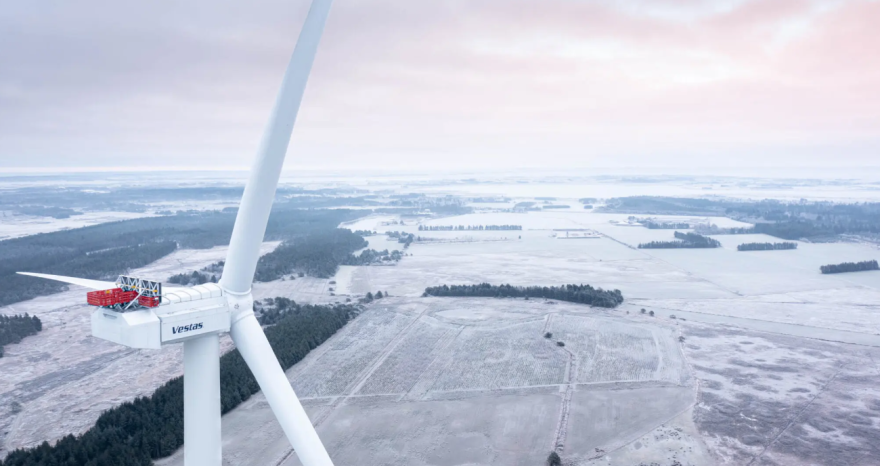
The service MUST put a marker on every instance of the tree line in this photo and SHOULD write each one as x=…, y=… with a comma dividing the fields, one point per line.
x=14, y=328
x=766, y=246
x=850, y=267
x=687, y=240
x=151, y=427
x=582, y=294
x=665, y=225
x=402, y=237
x=371, y=256
x=469, y=227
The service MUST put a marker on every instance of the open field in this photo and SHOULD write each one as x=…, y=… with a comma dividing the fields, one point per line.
x=774, y=296
x=770, y=399
x=419, y=381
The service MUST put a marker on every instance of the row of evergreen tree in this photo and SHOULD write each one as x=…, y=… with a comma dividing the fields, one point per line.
x=371, y=256
x=687, y=240
x=583, y=294
x=14, y=328
x=151, y=427
x=469, y=227
x=209, y=274
x=192, y=279
x=402, y=237
x=850, y=267
x=766, y=246
x=665, y=225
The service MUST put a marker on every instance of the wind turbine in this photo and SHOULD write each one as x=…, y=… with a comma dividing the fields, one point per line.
x=196, y=316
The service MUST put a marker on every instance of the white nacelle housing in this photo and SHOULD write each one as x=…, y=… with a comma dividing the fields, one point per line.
x=137, y=329
x=185, y=313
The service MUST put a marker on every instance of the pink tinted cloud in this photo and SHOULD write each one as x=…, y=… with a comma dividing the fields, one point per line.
x=576, y=81
x=731, y=80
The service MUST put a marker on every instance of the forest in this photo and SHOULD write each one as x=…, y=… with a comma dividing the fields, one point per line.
x=686, y=240
x=104, y=251
x=850, y=267
x=318, y=255
x=469, y=227
x=151, y=427
x=582, y=294
x=14, y=328
x=766, y=246
x=820, y=220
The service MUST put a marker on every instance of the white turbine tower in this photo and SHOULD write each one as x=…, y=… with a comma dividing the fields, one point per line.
x=197, y=316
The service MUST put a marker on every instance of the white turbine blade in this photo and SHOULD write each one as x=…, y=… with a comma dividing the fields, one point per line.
x=84, y=282
x=257, y=353
x=256, y=203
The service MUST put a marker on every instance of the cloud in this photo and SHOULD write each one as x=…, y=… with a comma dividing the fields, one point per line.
x=455, y=83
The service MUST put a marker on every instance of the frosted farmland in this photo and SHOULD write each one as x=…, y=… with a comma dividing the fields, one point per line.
x=510, y=356
x=339, y=364
x=447, y=381
x=536, y=259
x=610, y=351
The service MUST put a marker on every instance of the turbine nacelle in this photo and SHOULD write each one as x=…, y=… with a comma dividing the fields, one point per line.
x=185, y=313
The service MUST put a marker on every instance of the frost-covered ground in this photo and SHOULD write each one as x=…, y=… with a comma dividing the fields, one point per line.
x=446, y=381
x=436, y=381
x=776, y=297
x=770, y=399
x=775, y=286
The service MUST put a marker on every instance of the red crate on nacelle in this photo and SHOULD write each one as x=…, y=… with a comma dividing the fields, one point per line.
x=148, y=301
x=110, y=297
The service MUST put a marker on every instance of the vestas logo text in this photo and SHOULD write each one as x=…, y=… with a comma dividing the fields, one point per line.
x=187, y=328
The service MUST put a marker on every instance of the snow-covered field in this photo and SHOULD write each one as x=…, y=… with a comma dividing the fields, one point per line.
x=719, y=281
x=415, y=380
x=773, y=399
x=448, y=381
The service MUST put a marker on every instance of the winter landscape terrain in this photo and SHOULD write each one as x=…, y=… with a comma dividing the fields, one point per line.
x=716, y=356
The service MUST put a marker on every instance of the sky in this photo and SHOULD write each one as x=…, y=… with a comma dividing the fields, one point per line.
x=451, y=84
